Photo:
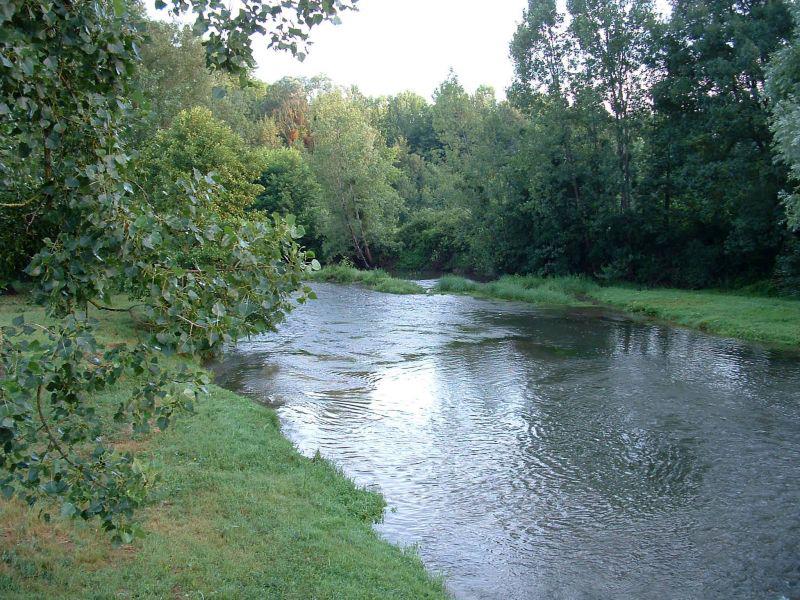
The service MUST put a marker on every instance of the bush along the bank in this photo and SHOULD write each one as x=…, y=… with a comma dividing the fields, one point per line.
x=375, y=279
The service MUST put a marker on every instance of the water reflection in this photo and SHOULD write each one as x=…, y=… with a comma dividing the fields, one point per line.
x=548, y=454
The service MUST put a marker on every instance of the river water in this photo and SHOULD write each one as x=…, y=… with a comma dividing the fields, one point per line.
x=542, y=453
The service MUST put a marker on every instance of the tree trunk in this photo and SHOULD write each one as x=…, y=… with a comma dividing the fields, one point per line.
x=367, y=251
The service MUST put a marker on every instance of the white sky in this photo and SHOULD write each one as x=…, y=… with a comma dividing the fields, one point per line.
x=389, y=46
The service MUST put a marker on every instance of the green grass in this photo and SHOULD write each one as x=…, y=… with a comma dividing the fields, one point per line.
x=745, y=316
x=759, y=319
x=566, y=291
x=377, y=279
x=237, y=513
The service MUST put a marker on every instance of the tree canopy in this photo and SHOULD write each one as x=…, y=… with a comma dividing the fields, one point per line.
x=67, y=101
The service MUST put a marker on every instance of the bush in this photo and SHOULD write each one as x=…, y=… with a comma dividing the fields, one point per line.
x=697, y=266
x=432, y=240
x=787, y=269
x=197, y=142
x=290, y=188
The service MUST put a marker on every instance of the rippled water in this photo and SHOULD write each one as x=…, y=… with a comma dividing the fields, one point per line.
x=538, y=453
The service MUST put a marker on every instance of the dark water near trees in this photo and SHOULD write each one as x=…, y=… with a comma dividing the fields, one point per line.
x=538, y=453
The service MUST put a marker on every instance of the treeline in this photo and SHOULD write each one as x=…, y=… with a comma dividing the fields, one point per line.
x=632, y=146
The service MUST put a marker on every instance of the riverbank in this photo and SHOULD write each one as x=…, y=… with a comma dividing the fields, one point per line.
x=236, y=513
x=377, y=279
x=774, y=321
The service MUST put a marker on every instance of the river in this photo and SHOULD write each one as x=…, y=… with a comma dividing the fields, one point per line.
x=547, y=453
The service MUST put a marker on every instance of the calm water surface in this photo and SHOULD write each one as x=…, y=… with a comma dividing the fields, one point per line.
x=535, y=453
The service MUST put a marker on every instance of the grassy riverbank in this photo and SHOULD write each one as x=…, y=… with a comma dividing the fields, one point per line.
x=565, y=291
x=237, y=513
x=754, y=318
x=377, y=279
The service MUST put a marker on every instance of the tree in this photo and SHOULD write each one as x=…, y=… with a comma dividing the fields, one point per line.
x=286, y=103
x=564, y=147
x=355, y=169
x=290, y=188
x=65, y=74
x=543, y=51
x=172, y=77
x=614, y=41
x=406, y=118
x=711, y=143
x=479, y=138
x=783, y=87
x=197, y=142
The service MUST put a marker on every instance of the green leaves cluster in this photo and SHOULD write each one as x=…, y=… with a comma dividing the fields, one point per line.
x=355, y=170
x=222, y=279
x=54, y=443
x=228, y=32
x=203, y=274
x=196, y=141
x=783, y=87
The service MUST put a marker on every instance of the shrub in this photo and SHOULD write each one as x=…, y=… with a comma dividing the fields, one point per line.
x=290, y=188
x=196, y=142
x=432, y=239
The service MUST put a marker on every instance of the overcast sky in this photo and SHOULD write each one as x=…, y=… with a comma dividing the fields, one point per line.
x=389, y=46
x=395, y=45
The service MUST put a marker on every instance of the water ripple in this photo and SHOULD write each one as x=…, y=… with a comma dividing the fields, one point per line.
x=547, y=453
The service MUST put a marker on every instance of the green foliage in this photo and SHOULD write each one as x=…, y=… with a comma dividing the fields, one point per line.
x=65, y=88
x=196, y=142
x=787, y=269
x=238, y=104
x=645, y=154
x=172, y=77
x=407, y=118
x=476, y=171
x=227, y=39
x=21, y=224
x=783, y=87
x=713, y=173
x=612, y=39
x=432, y=240
x=359, y=208
x=19, y=241
x=290, y=188
x=286, y=103
x=289, y=185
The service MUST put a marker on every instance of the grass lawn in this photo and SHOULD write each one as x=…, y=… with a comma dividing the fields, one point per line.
x=236, y=513
x=755, y=318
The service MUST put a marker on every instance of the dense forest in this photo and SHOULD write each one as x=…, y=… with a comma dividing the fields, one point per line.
x=632, y=146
